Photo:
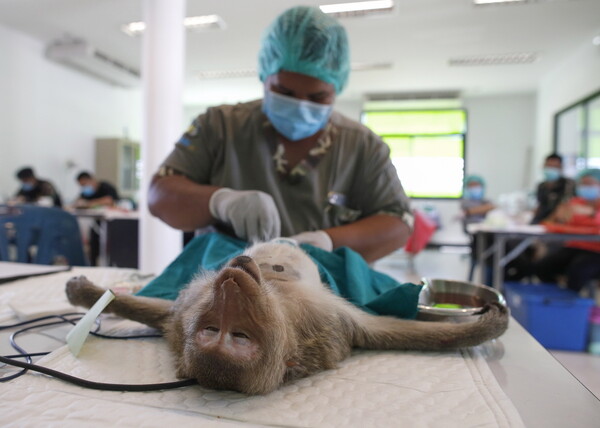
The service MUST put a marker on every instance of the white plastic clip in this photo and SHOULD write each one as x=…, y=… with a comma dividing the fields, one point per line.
x=80, y=332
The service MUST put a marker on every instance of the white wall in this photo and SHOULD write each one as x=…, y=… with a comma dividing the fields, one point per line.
x=50, y=115
x=500, y=140
x=577, y=77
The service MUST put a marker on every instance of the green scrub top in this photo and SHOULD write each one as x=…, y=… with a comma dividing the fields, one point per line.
x=348, y=176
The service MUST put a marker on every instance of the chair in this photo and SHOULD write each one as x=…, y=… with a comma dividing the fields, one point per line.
x=40, y=235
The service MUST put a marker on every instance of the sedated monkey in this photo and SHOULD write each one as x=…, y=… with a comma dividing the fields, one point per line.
x=265, y=319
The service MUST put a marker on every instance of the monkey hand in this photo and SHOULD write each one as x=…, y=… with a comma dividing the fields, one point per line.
x=318, y=238
x=81, y=292
x=252, y=214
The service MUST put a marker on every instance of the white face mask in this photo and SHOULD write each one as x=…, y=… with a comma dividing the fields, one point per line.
x=293, y=118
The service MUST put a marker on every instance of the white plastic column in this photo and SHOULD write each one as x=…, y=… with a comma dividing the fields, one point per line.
x=163, y=59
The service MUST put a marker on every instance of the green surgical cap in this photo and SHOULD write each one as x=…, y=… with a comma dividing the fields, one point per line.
x=474, y=179
x=305, y=40
x=592, y=172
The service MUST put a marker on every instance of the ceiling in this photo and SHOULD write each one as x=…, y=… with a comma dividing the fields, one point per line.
x=417, y=39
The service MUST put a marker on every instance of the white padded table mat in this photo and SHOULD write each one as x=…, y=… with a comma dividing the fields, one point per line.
x=370, y=389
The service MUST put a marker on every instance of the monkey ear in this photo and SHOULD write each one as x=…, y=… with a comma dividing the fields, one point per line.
x=294, y=370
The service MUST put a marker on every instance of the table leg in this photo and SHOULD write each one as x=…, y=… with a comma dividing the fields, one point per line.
x=479, y=242
x=500, y=248
x=103, y=233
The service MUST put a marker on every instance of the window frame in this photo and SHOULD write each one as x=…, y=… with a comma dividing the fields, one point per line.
x=438, y=109
x=585, y=132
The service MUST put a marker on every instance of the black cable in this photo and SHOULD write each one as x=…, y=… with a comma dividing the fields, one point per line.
x=23, y=353
x=47, y=317
x=98, y=385
x=31, y=354
x=22, y=372
x=139, y=336
x=28, y=365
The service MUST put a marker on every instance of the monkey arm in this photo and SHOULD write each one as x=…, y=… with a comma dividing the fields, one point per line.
x=373, y=332
x=147, y=310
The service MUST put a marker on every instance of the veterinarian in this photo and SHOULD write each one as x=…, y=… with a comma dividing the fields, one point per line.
x=288, y=165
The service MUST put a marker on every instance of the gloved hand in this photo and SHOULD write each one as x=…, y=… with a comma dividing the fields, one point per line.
x=252, y=214
x=318, y=238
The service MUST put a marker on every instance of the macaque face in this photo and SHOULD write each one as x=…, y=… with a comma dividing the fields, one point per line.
x=238, y=333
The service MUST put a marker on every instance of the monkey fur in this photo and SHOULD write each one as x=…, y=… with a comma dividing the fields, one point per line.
x=265, y=319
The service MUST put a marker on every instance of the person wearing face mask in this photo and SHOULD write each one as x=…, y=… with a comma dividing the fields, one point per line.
x=578, y=260
x=554, y=190
x=35, y=190
x=288, y=165
x=95, y=193
x=474, y=205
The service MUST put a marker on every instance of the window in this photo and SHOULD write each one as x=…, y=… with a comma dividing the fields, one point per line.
x=577, y=135
x=427, y=147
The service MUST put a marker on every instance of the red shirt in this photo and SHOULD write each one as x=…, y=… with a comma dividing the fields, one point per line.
x=584, y=220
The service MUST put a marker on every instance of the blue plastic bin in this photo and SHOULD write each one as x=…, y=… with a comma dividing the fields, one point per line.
x=557, y=318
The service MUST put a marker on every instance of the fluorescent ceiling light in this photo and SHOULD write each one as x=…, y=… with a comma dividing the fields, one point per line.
x=357, y=7
x=502, y=59
x=193, y=23
x=204, y=22
x=498, y=1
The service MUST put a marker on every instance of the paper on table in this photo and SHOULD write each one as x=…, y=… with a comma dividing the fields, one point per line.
x=10, y=271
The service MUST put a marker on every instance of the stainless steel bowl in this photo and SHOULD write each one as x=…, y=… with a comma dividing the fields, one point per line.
x=467, y=296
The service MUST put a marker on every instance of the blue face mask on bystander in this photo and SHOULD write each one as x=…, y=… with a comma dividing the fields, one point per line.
x=87, y=190
x=588, y=192
x=475, y=193
x=551, y=174
x=293, y=118
x=27, y=187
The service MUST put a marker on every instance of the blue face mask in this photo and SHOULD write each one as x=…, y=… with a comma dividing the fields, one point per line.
x=293, y=118
x=589, y=193
x=551, y=174
x=475, y=193
x=87, y=191
x=27, y=187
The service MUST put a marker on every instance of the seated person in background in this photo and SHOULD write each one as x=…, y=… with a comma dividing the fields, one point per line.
x=35, y=190
x=554, y=190
x=578, y=260
x=474, y=205
x=94, y=192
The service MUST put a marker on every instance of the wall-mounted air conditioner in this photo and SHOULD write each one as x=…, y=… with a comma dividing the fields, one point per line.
x=84, y=57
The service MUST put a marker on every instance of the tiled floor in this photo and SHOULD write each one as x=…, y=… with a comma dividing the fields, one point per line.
x=447, y=263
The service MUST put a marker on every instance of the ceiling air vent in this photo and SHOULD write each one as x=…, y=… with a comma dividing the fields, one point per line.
x=402, y=96
x=502, y=59
x=251, y=72
x=81, y=56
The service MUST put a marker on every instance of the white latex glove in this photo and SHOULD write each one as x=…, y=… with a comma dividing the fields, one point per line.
x=252, y=214
x=319, y=238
